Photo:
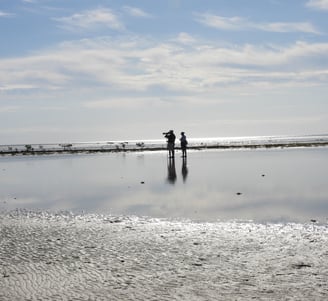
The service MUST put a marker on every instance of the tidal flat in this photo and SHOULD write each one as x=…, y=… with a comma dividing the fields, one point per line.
x=88, y=257
x=221, y=225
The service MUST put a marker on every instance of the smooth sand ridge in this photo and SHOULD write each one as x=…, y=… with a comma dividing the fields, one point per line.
x=63, y=257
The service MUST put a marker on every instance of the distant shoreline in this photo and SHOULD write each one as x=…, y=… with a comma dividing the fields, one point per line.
x=139, y=147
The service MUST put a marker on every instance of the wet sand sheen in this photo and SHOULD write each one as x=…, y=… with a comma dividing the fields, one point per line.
x=64, y=257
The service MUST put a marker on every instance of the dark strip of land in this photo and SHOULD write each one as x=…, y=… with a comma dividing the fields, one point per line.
x=201, y=146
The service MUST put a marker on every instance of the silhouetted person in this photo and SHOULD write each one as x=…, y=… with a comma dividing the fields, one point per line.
x=184, y=169
x=171, y=173
x=170, y=142
x=183, y=143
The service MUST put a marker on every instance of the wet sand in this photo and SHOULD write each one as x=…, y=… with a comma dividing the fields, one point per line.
x=90, y=257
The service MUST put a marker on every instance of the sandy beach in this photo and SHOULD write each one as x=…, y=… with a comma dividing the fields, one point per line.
x=65, y=257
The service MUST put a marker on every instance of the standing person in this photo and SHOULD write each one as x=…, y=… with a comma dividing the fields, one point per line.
x=183, y=143
x=170, y=142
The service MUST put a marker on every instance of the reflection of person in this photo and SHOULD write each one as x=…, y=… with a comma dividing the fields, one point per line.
x=183, y=143
x=171, y=173
x=184, y=169
x=170, y=142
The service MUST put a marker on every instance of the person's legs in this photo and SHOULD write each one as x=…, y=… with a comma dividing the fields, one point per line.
x=171, y=150
x=184, y=152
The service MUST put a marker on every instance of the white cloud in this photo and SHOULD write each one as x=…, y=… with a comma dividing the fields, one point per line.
x=90, y=19
x=241, y=24
x=132, y=102
x=132, y=64
x=136, y=12
x=5, y=15
x=318, y=4
x=185, y=38
x=13, y=87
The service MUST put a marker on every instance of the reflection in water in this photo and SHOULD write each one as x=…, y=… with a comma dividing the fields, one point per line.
x=293, y=188
x=184, y=169
x=171, y=173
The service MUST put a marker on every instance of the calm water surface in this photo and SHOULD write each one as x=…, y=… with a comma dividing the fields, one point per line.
x=259, y=185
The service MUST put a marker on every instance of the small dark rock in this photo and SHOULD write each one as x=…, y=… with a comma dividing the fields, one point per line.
x=130, y=228
x=239, y=193
x=313, y=220
x=115, y=221
x=301, y=265
x=142, y=182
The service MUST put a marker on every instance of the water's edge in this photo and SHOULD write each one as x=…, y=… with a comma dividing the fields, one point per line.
x=159, y=145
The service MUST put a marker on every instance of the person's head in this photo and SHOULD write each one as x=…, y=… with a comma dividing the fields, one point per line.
x=171, y=131
x=182, y=133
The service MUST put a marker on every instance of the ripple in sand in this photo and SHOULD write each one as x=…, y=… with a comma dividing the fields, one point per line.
x=66, y=257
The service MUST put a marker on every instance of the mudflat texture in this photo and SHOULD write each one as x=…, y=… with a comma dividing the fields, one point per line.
x=90, y=257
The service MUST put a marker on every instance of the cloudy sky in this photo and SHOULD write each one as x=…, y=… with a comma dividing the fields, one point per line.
x=116, y=70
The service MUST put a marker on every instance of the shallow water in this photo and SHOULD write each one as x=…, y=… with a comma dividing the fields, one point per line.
x=261, y=185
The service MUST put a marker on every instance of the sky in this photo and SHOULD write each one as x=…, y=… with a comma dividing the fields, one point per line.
x=77, y=70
